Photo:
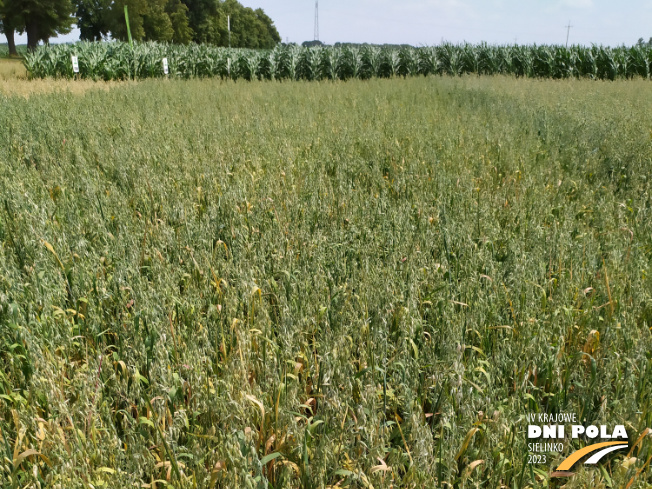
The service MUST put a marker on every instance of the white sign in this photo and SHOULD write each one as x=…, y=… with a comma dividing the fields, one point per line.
x=165, y=66
x=75, y=64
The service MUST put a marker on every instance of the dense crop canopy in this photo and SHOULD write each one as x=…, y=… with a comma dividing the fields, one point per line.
x=307, y=285
x=115, y=60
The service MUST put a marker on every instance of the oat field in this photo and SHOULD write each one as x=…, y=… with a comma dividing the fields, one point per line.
x=218, y=284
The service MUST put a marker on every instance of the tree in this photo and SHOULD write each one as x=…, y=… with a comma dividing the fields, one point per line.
x=8, y=24
x=137, y=11
x=93, y=19
x=312, y=44
x=249, y=28
x=156, y=22
x=273, y=37
x=202, y=16
x=151, y=20
x=178, y=13
x=641, y=42
x=40, y=19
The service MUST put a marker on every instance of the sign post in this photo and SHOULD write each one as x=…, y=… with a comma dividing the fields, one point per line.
x=75, y=64
x=165, y=66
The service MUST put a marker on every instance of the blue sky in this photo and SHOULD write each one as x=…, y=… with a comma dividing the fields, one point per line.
x=428, y=22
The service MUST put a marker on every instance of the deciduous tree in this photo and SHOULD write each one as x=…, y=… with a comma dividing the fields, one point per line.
x=202, y=16
x=8, y=27
x=178, y=13
x=137, y=11
x=93, y=19
x=40, y=19
x=157, y=23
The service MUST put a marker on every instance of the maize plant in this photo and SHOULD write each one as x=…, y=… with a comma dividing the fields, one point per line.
x=370, y=62
x=390, y=63
x=308, y=67
x=470, y=59
x=119, y=61
x=350, y=63
x=409, y=63
x=490, y=60
x=328, y=63
x=451, y=59
x=427, y=61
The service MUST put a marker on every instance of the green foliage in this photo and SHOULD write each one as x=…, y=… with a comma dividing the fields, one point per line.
x=116, y=60
x=249, y=28
x=4, y=50
x=201, y=16
x=178, y=21
x=641, y=42
x=312, y=44
x=138, y=9
x=177, y=11
x=40, y=19
x=292, y=285
x=157, y=23
x=10, y=20
x=93, y=19
x=159, y=20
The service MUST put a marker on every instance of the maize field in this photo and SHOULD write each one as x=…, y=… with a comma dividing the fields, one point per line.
x=119, y=61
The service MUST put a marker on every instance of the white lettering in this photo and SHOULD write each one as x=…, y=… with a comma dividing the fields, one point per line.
x=603, y=432
x=549, y=431
x=592, y=431
x=619, y=431
x=533, y=431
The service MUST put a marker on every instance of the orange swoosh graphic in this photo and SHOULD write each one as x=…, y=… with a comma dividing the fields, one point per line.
x=570, y=461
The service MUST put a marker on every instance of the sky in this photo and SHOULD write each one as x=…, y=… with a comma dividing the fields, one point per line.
x=429, y=22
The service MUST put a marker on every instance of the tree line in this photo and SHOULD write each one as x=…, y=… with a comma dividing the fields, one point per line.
x=177, y=21
x=641, y=42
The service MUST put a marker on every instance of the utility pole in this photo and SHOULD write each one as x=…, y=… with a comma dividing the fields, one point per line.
x=316, y=20
x=568, y=27
x=228, y=25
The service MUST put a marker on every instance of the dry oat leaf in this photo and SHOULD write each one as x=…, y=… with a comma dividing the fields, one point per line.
x=27, y=453
x=474, y=464
x=382, y=467
x=591, y=345
x=219, y=467
x=292, y=465
x=639, y=440
x=467, y=441
x=269, y=443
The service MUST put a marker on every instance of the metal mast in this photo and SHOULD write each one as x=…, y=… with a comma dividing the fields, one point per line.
x=568, y=32
x=316, y=20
